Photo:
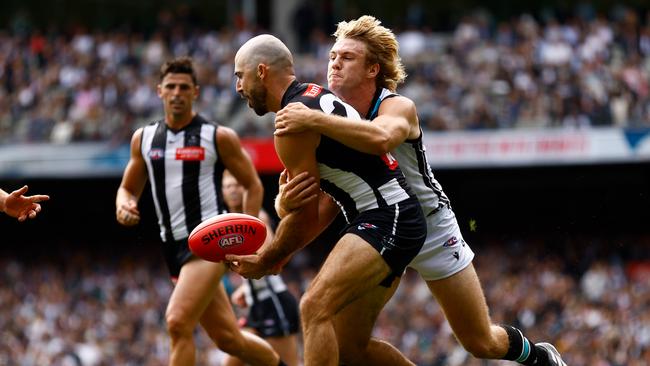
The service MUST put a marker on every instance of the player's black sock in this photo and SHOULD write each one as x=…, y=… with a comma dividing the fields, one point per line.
x=520, y=349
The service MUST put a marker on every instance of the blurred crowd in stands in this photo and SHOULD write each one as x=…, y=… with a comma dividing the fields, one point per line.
x=93, y=309
x=584, y=70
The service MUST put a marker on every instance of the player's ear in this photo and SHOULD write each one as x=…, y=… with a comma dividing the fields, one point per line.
x=373, y=70
x=197, y=89
x=159, y=90
x=261, y=71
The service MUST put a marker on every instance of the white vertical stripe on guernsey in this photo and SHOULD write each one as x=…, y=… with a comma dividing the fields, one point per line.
x=352, y=184
x=396, y=219
x=262, y=288
x=392, y=192
x=207, y=189
x=429, y=193
x=174, y=184
x=148, y=133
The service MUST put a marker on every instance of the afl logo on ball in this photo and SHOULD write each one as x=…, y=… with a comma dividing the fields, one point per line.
x=228, y=233
x=231, y=240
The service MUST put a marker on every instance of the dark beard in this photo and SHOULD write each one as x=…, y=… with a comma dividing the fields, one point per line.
x=258, y=101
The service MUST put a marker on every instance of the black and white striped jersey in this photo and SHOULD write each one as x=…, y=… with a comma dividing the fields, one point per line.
x=185, y=174
x=357, y=181
x=412, y=159
x=263, y=288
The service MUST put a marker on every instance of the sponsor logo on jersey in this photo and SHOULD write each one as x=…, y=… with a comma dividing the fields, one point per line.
x=190, y=153
x=155, y=154
x=312, y=90
x=451, y=242
x=366, y=225
x=390, y=161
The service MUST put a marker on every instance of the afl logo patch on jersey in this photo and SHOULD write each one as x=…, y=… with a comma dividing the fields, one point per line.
x=312, y=90
x=155, y=154
x=193, y=140
x=451, y=242
x=365, y=225
x=190, y=153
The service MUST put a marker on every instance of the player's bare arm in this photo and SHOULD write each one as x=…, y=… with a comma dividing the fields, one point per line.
x=297, y=152
x=132, y=185
x=237, y=161
x=397, y=121
x=297, y=229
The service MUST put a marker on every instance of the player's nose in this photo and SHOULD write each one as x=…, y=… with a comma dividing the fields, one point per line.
x=335, y=63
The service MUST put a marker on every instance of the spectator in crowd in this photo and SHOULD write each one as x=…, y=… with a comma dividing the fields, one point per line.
x=99, y=308
x=576, y=72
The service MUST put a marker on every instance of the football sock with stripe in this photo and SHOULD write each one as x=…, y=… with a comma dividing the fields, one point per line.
x=520, y=349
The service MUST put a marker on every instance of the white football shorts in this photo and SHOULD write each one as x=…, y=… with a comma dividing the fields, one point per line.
x=444, y=252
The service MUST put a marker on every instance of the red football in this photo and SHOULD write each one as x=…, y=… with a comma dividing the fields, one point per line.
x=231, y=233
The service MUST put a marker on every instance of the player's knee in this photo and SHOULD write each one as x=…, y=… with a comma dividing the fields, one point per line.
x=177, y=325
x=313, y=308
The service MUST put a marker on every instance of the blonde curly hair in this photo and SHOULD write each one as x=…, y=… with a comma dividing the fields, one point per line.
x=382, y=48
